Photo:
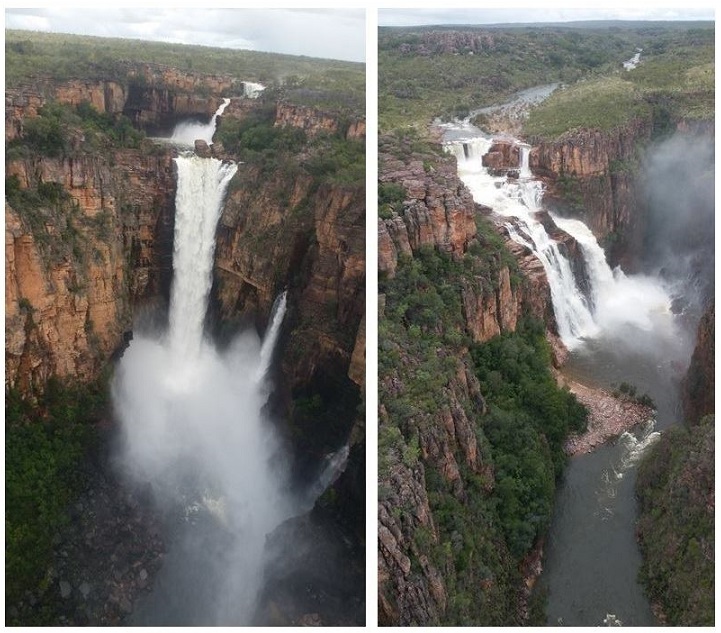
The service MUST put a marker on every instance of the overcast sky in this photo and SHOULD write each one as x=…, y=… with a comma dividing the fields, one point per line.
x=545, y=13
x=328, y=33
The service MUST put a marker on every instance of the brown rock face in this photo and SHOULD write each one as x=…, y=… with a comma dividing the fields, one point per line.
x=305, y=118
x=153, y=96
x=439, y=211
x=268, y=240
x=594, y=172
x=698, y=391
x=69, y=290
x=501, y=157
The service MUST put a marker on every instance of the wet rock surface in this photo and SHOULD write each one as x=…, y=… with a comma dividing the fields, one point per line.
x=316, y=576
x=608, y=416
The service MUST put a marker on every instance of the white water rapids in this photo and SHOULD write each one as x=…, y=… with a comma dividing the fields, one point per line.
x=193, y=428
x=615, y=300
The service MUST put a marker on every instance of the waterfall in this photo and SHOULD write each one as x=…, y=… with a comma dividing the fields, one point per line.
x=202, y=183
x=194, y=431
x=252, y=90
x=616, y=300
x=187, y=132
x=525, y=169
x=518, y=201
x=276, y=319
x=332, y=467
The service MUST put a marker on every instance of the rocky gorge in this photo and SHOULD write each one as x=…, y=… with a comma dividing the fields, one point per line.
x=595, y=173
x=89, y=246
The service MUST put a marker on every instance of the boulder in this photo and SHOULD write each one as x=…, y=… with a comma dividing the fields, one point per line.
x=202, y=149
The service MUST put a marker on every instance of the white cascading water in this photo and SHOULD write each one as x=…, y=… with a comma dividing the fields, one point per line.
x=188, y=132
x=202, y=183
x=252, y=90
x=616, y=299
x=519, y=201
x=266, y=351
x=193, y=428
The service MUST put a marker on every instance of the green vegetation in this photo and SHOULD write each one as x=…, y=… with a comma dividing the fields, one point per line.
x=45, y=446
x=390, y=199
x=672, y=82
x=329, y=157
x=63, y=129
x=321, y=82
x=254, y=139
x=448, y=71
x=338, y=160
x=423, y=343
x=602, y=104
x=675, y=488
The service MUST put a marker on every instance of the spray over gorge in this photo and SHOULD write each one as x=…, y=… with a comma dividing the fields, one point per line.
x=194, y=429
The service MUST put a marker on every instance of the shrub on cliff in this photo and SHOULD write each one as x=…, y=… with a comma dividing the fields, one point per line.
x=675, y=488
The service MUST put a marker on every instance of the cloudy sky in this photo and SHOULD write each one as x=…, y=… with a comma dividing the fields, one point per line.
x=544, y=13
x=334, y=34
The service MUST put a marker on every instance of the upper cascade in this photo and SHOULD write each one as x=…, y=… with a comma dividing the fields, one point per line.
x=187, y=132
x=252, y=90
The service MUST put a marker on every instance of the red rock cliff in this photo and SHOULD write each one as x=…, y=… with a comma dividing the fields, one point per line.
x=76, y=267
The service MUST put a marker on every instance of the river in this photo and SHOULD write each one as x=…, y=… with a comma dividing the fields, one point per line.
x=624, y=330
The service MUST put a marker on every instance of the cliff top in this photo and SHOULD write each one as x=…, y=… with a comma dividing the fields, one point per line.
x=33, y=57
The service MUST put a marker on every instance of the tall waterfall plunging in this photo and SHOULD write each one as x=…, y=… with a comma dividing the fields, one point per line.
x=194, y=432
x=202, y=183
x=615, y=300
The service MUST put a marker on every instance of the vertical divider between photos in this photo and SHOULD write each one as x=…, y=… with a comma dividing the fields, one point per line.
x=371, y=395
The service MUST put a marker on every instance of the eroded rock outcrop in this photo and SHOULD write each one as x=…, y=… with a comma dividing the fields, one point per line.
x=76, y=266
x=593, y=174
x=430, y=445
x=439, y=211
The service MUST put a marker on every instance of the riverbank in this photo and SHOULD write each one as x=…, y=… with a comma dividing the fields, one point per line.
x=608, y=415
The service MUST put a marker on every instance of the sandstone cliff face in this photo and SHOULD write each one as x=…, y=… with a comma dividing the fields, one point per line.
x=305, y=118
x=594, y=173
x=75, y=269
x=154, y=97
x=291, y=233
x=413, y=594
x=439, y=211
x=698, y=390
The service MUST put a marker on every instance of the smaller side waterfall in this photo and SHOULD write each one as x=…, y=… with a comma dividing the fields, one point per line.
x=271, y=336
x=188, y=132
